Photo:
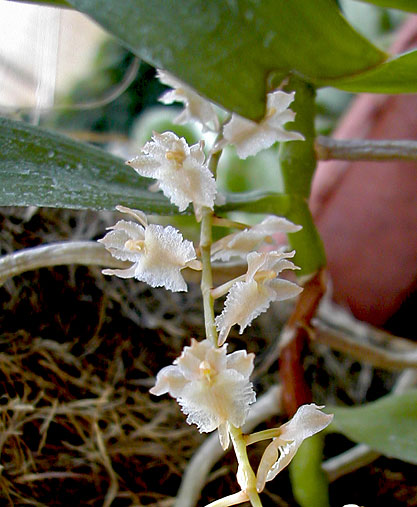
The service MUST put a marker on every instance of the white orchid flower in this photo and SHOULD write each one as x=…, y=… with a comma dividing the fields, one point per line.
x=158, y=253
x=179, y=170
x=250, y=137
x=307, y=421
x=242, y=242
x=196, y=108
x=212, y=387
x=249, y=298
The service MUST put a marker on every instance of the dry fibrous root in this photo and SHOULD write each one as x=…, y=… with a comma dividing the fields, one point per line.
x=75, y=415
x=77, y=357
x=83, y=421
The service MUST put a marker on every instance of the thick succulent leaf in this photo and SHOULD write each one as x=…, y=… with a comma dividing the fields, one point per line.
x=40, y=168
x=397, y=75
x=388, y=425
x=310, y=254
x=229, y=50
x=404, y=5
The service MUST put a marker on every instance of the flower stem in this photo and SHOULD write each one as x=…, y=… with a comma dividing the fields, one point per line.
x=262, y=435
x=235, y=499
x=225, y=222
x=206, y=241
x=223, y=289
x=207, y=276
x=245, y=475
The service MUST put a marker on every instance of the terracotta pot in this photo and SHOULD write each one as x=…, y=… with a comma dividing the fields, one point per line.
x=367, y=212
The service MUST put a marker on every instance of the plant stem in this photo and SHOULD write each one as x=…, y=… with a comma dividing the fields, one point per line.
x=298, y=163
x=207, y=276
x=245, y=475
x=206, y=241
x=367, y=149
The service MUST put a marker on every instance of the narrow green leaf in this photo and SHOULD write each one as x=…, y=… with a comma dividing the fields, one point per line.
x=307, y=242
x=310, y=486
x=388, y=425
x=46, y=3
x=397, y=75
x=41, y=168
x=403, y=5
x=229, y=50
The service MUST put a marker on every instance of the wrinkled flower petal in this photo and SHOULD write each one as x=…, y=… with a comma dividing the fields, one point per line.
x=196, y=108
x=247, y=299
x=307, y=421
x=179, y=170
x=250, y=137
x=241, y=243
x=211, y=387
x=158, y=253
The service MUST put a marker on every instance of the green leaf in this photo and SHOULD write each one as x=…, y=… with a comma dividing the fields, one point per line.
x=403, y=5
x=388, y=425
x=310, y=486
x=231, y=50
x=310, y=254
x=397, y=75
x=41, y=168
x=46, y=3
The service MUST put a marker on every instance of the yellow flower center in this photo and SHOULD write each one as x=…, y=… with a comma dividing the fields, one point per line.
x=135, y=245
x=264, y=275
x=207, y=371
x=270, y=112
x=177, y=156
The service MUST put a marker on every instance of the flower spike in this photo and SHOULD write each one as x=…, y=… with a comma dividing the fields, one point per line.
x=158, y=253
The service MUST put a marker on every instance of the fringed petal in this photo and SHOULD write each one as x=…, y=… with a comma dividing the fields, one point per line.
x=250, y=138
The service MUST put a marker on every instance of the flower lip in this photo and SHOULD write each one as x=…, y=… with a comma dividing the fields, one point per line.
x=196, y=108
x=240, y=243
x=307, y=421
x=158, y=254
x=258, y=290
x=180, y=171
x=250, y=137
x=211, y=386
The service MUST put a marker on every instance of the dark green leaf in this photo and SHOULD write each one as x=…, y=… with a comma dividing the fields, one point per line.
x=46, y=3
x=404, y=5
x=41, y=168
x=230, y=50
x=307, y=243
x=388, y=425
x=397, y=75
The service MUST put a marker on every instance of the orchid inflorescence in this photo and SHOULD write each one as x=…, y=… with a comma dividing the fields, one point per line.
x=212, y=387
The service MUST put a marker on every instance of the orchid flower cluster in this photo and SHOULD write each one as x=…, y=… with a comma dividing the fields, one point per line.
x=212, y=387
